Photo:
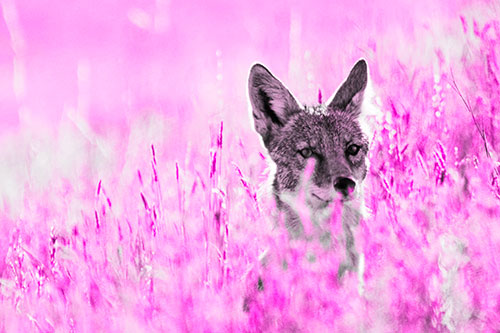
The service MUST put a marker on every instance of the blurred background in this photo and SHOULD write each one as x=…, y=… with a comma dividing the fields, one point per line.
x=109, y=61
x=129, y=167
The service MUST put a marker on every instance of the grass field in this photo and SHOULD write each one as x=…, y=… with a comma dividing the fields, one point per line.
x=156, y=220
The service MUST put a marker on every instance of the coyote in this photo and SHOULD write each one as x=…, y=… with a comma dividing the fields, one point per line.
x=326, y=142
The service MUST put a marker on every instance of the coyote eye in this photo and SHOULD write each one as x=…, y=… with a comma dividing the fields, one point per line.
x=305, y=153
x=353, y=150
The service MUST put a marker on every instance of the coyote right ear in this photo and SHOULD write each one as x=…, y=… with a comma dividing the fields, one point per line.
x=272, y=103
x=350, y=94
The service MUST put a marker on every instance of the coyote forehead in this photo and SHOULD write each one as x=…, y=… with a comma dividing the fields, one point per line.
x=327, y=137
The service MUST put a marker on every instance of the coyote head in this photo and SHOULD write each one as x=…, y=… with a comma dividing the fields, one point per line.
x=326, y=137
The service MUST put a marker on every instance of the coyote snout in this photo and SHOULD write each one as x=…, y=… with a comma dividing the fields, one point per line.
x=345, y=186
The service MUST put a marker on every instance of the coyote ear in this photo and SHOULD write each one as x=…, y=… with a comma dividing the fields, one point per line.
x=350, y=94
x=272, y=103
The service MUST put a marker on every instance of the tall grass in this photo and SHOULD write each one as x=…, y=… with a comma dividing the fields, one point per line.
x=157, y=243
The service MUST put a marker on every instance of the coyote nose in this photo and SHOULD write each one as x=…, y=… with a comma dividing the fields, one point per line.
x=344, y=186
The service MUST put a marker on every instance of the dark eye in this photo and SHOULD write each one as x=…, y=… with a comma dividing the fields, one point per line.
x=306, y=152
x=353, y=150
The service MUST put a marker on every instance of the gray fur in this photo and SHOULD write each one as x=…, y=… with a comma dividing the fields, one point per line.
x=328, y=130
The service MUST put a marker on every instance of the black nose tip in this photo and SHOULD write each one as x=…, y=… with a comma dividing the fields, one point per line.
x=344, y=186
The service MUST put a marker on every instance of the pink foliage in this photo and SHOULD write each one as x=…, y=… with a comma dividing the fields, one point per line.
x=133, y=188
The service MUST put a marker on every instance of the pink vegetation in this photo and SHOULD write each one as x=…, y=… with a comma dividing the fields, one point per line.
x=132, y=180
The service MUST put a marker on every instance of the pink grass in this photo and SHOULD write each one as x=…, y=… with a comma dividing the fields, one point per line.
x=148, y=101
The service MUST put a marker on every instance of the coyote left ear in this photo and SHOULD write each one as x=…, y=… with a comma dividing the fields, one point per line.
x=350, y=94
x=272, y=103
